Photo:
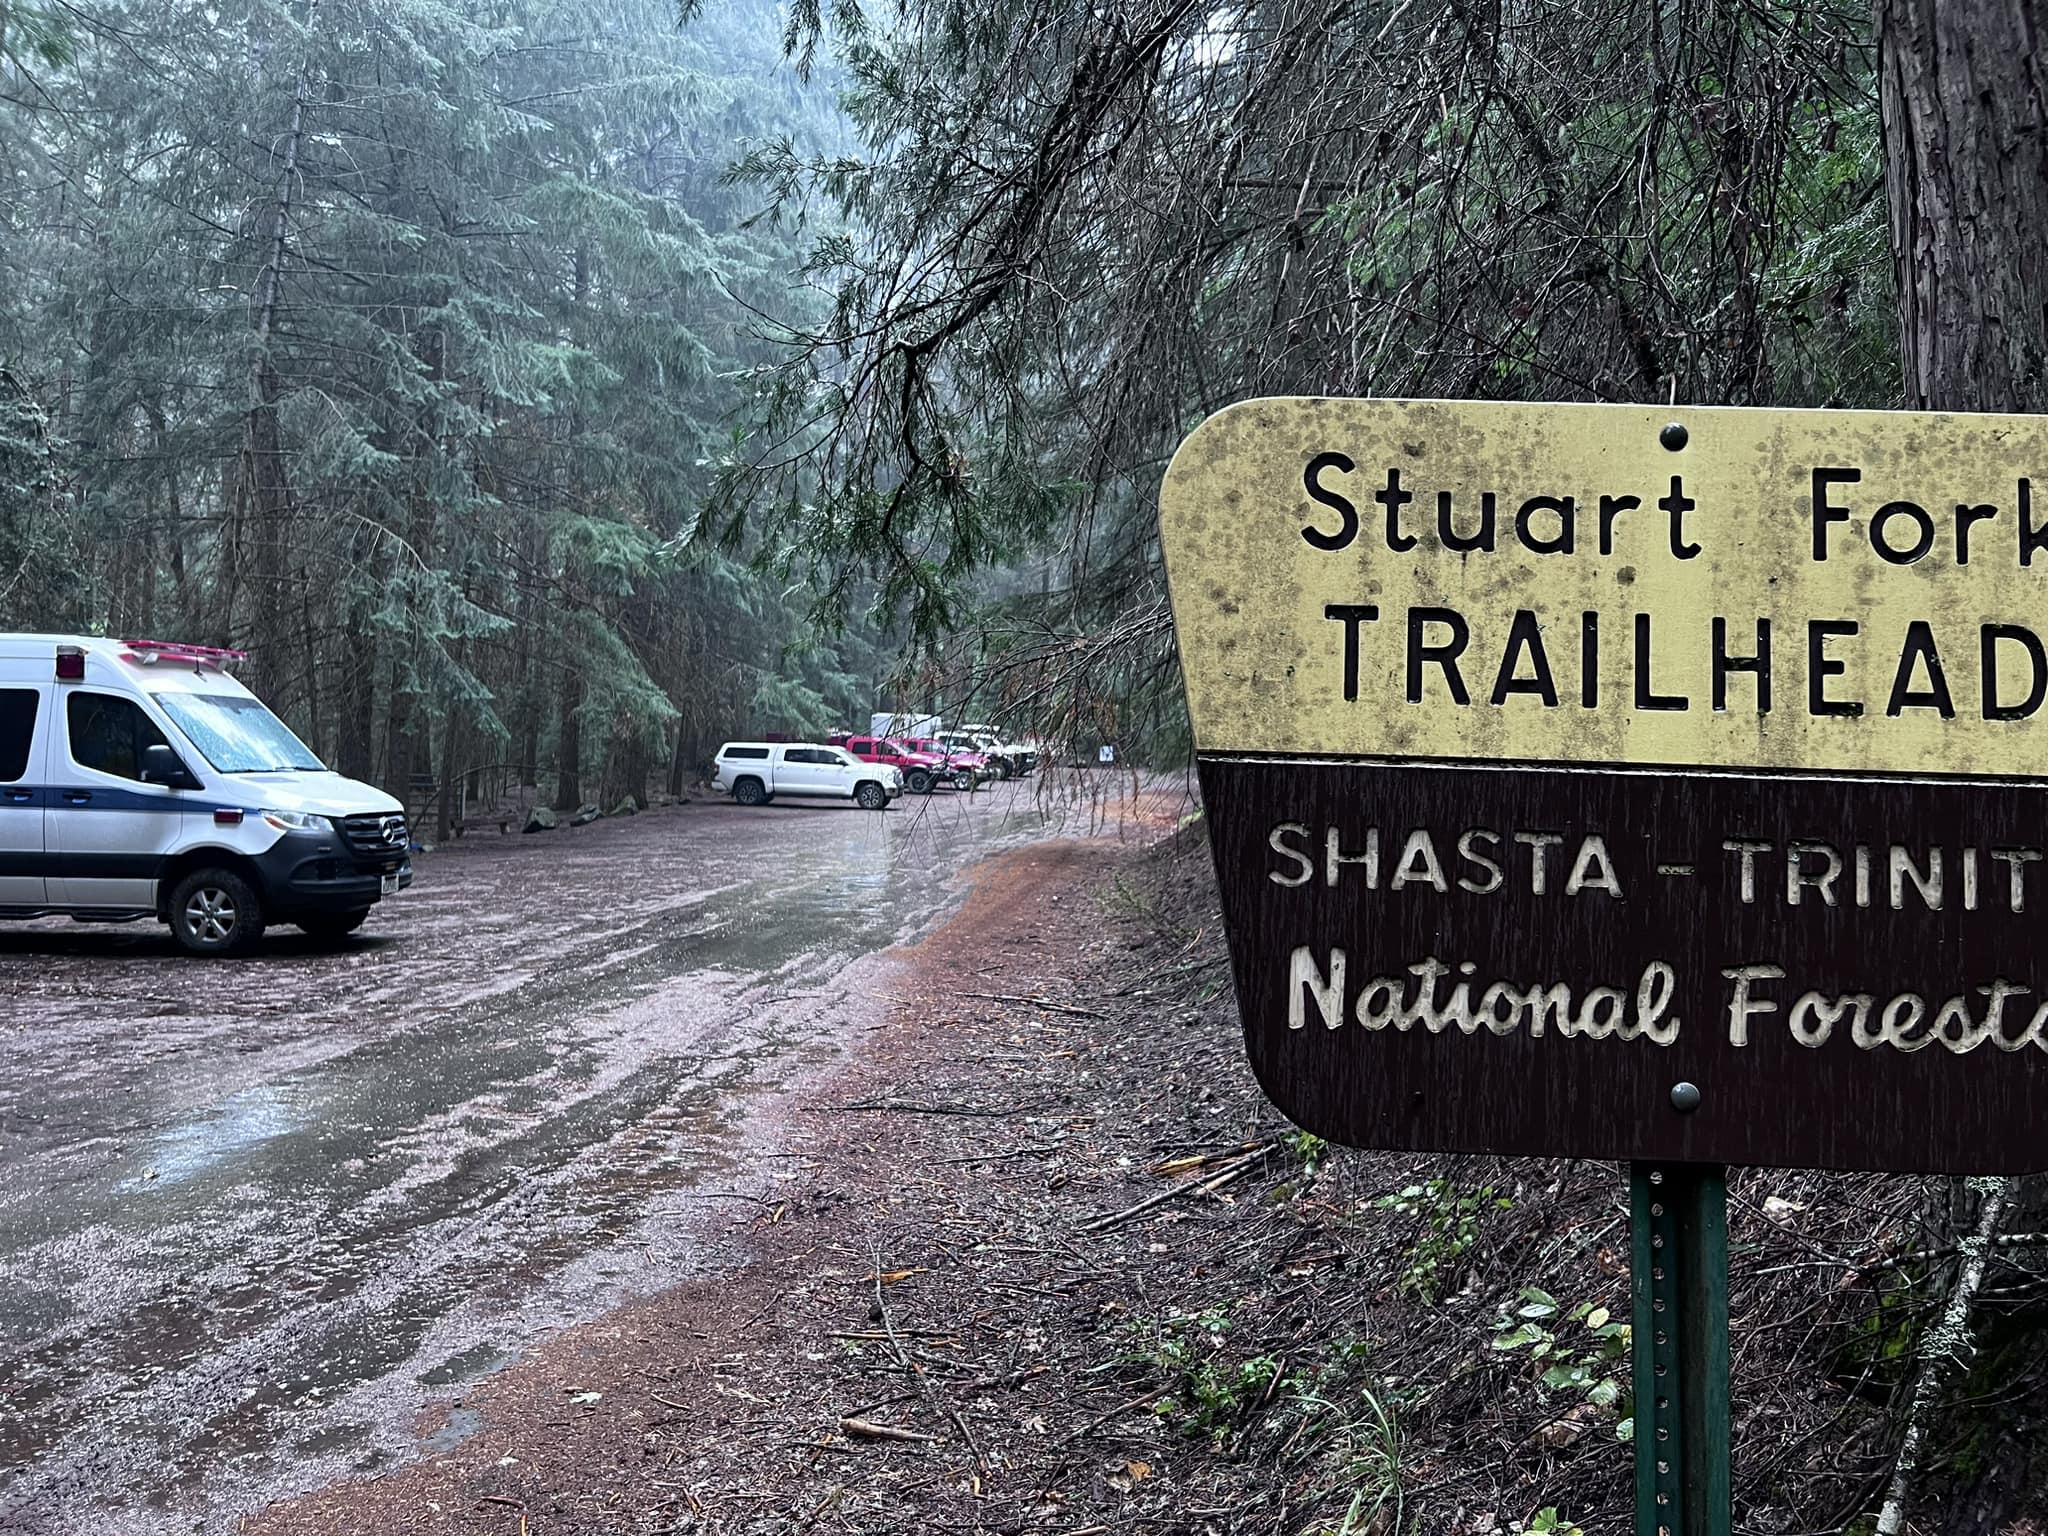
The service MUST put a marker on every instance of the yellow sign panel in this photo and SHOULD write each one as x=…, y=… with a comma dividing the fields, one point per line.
x=1725, y=588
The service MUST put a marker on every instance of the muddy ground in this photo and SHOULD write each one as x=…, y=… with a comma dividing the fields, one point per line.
x=254, y=1214
x=1038, y=1258
x=1025, y=1251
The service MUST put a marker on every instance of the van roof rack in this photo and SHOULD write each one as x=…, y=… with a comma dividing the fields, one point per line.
x=151, y=651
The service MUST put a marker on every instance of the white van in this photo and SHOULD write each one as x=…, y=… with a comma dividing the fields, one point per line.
x=138, y=779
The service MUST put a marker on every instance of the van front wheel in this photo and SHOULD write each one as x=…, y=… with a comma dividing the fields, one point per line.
x=871, y=796
x=215, y=912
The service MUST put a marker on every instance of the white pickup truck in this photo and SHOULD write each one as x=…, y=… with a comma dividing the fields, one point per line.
x=755, y=772
x=1005, y=758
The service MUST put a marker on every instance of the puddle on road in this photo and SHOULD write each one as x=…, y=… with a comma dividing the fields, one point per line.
x=467, y=1365
x=462, y=1424
x=219, y=1294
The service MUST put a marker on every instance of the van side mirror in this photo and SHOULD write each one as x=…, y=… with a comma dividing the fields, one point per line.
x=160, y=765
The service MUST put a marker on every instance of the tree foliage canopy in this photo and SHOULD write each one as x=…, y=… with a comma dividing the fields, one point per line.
x=398, y=341
x=1070, y=232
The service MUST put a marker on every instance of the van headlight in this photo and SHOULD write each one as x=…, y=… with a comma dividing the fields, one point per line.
x=296, y=821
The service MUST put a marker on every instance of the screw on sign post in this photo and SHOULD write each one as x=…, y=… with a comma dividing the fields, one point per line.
x=1662, y=785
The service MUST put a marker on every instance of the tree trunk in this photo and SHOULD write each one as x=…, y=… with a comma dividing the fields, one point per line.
x=1962, y=87
x=678, y=762
x=569, y=741
x=356, y=725
x=398, y=737
x=449, y=778
x=263, y=479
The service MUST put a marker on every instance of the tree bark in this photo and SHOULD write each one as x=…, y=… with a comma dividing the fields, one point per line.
x=449, y=779
x=1963, y=85
x=569, y=740
x=263, y=478
x=356, y=726
x=1964, y=97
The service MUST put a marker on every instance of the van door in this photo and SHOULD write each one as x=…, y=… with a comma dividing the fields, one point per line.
x=22, y=711
x=108, y=831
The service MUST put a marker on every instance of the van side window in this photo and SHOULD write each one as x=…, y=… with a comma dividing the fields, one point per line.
x=109, y=733
x=17, y=731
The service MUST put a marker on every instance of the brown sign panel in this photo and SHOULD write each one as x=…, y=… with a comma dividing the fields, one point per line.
x=1528, y=961
x=1591, y=858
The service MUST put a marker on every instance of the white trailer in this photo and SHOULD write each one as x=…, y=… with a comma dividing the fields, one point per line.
x=905, y=725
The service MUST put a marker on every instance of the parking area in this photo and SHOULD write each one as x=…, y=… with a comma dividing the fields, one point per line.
x=251, y=1209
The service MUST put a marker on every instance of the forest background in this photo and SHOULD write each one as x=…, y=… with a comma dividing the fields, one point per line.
x=545, y=391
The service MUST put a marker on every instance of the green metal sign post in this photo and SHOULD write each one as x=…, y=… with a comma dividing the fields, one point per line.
x=1679, y=1283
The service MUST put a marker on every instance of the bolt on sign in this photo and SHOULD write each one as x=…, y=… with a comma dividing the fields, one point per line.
x=1610, y=781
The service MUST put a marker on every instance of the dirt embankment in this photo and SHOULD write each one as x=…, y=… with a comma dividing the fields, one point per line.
x=1039, y=1259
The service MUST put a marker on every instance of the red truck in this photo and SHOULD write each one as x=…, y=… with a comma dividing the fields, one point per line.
x=964, y=766
x=922, y=772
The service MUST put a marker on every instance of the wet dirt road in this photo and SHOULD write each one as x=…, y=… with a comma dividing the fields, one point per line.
x=252, y=1213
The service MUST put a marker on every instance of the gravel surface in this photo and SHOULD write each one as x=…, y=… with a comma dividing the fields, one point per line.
x=255, y=1215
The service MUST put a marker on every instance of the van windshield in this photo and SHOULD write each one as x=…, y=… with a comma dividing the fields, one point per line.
x=237, y=735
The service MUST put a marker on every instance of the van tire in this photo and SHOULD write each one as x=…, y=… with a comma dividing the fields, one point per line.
x=333, y=927
x=964, y=779
x=215, y=911
x=870, y=796
x=917, y=781
x=1002, y=767
x=749, y=792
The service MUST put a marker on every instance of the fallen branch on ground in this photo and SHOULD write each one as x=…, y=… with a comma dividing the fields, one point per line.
x=1947, y=1345
x=868, y=1429
x=1036, y=1002
x=1214, y=1182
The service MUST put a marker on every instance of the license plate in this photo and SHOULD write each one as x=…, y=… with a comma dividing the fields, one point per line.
x=391, y=885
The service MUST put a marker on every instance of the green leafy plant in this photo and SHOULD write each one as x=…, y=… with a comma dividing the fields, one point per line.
x=1207, y=1394
x=1547, y=1522
x=1575, y=1351
x=1125, y=899
x=1369, y=1443
x=1450, y=1219
x=1310, y=1148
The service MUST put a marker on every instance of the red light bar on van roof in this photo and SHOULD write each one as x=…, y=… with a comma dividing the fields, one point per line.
x=149, y=652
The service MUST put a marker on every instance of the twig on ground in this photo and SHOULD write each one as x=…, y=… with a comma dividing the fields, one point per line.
x=1214, y=1182
x=868, y=1429
x=1004, y=1157
x=1037, y=1002
x=1121, y=1408
x=1946, y=1345
x=918, y=1375
x=899, y=1107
